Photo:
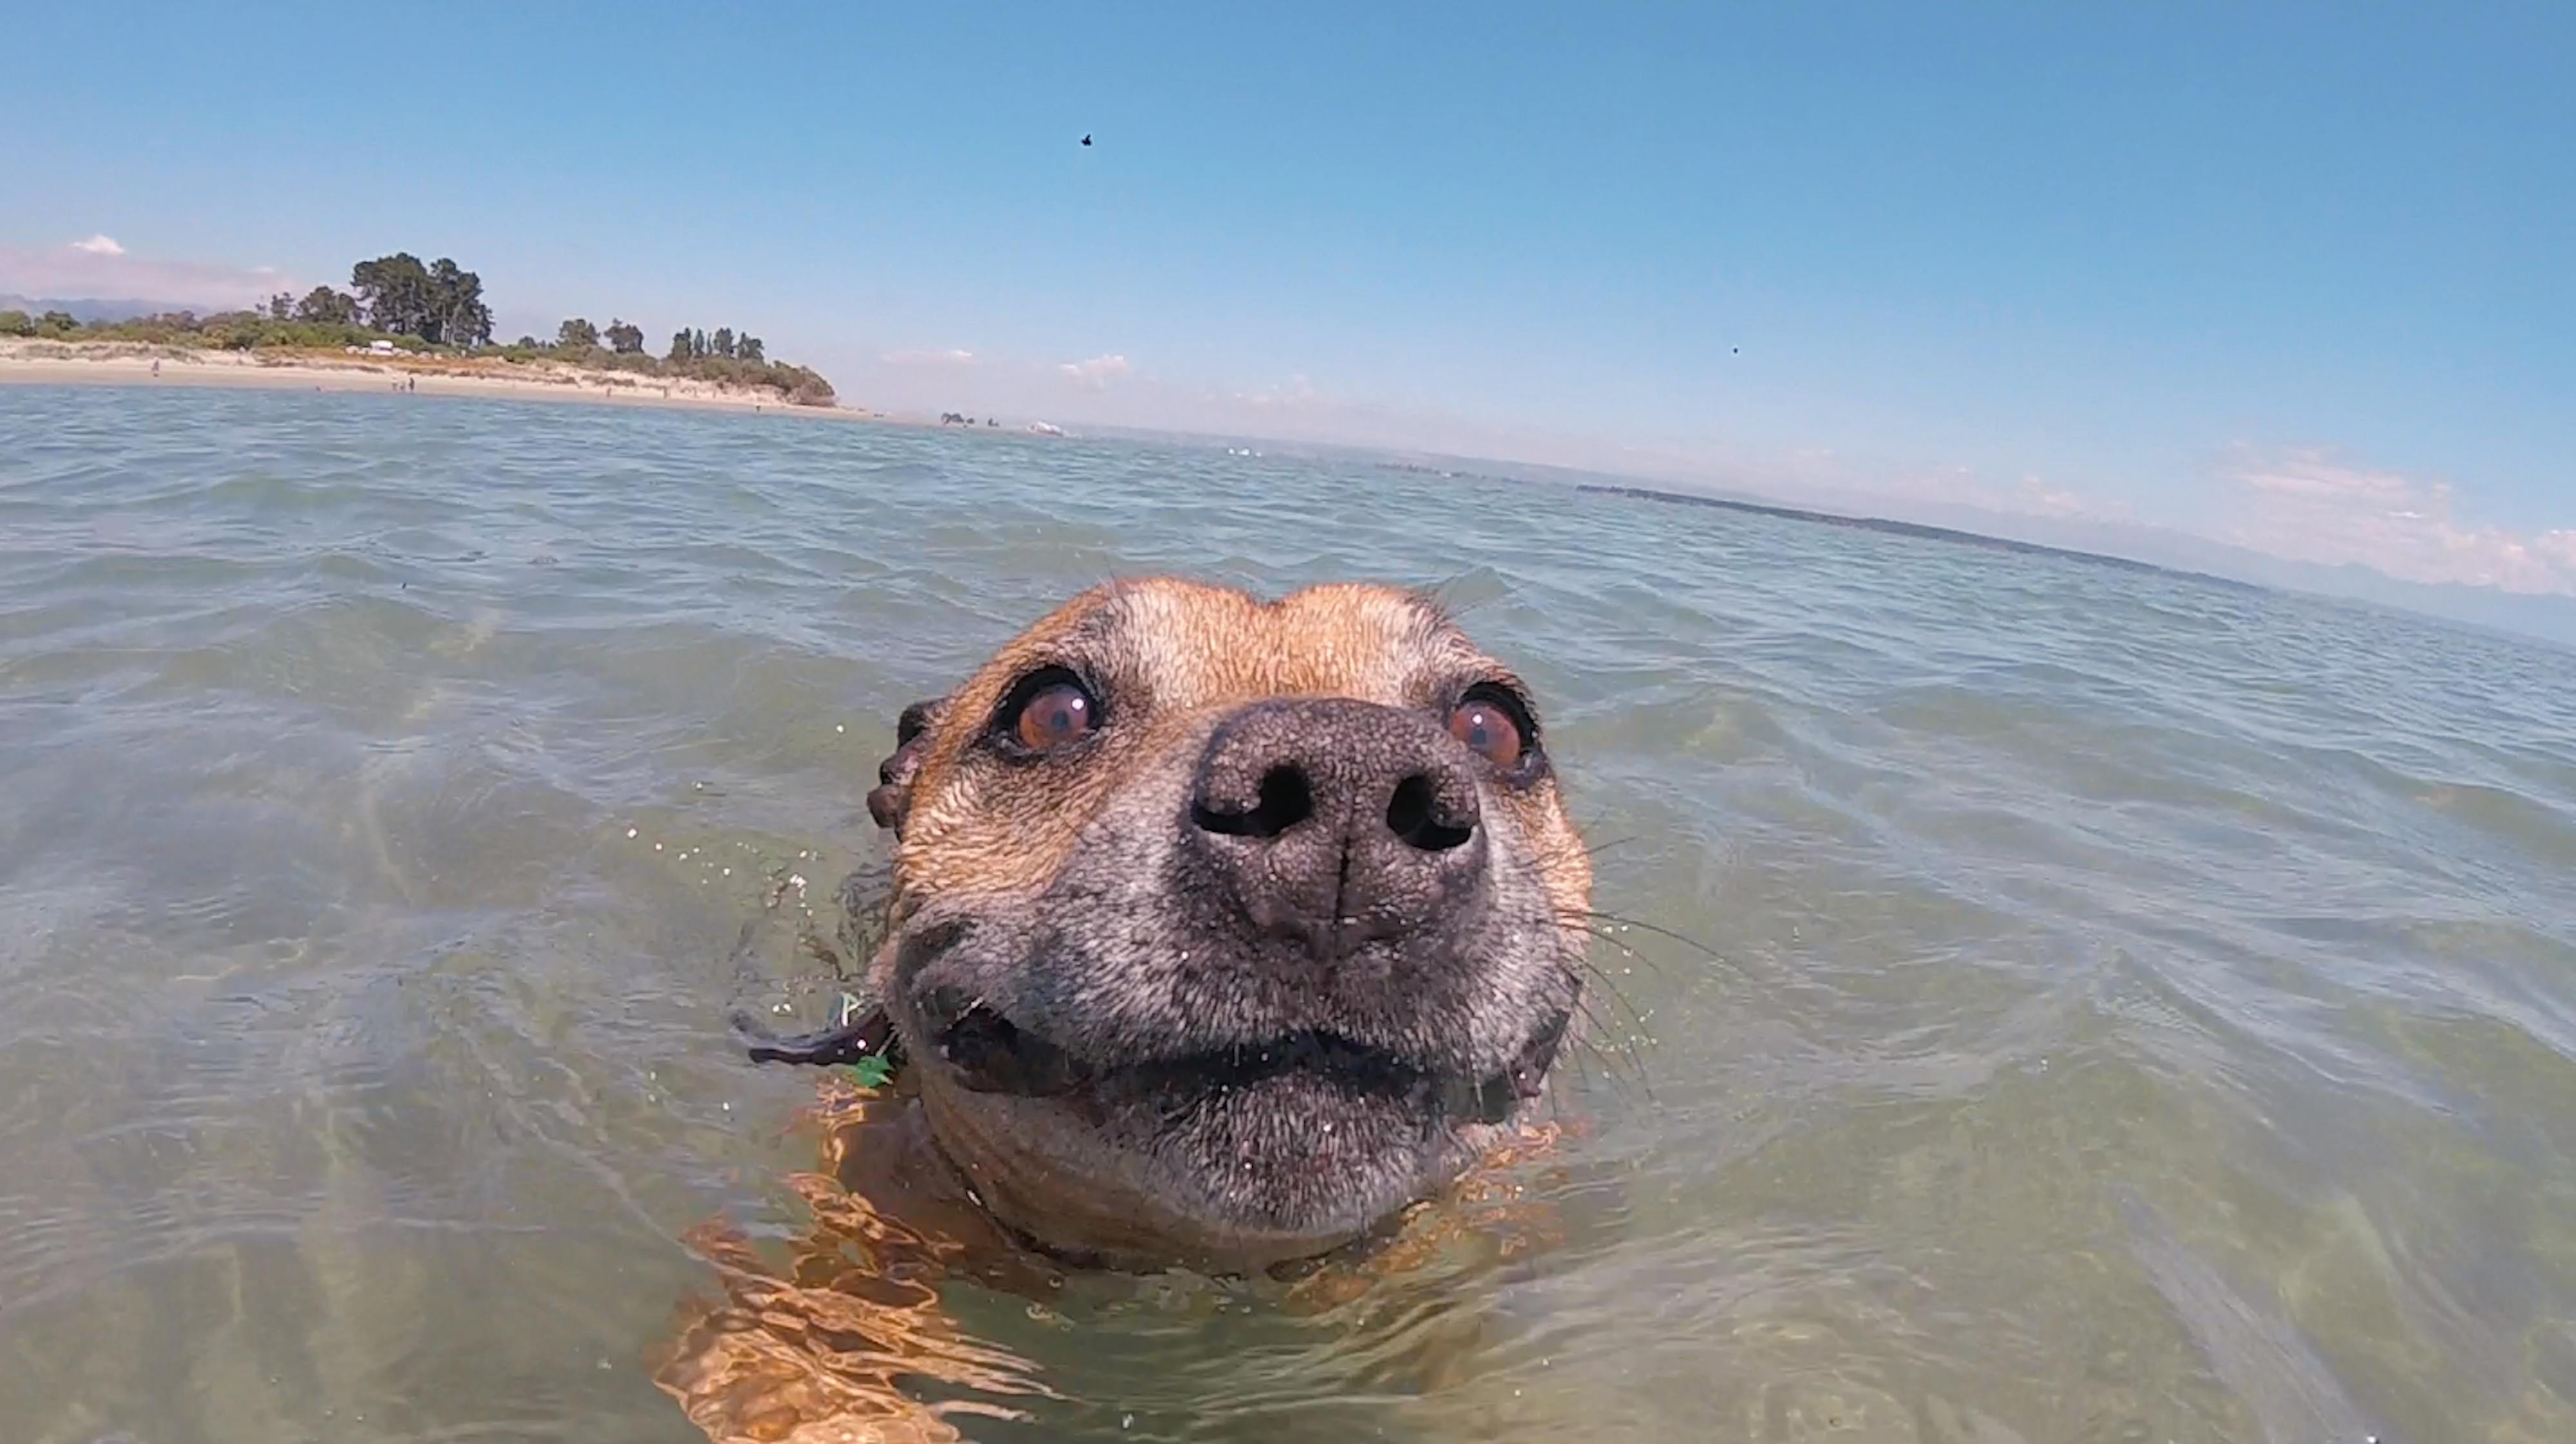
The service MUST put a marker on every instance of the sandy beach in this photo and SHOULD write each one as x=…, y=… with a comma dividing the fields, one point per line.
x=125, y=363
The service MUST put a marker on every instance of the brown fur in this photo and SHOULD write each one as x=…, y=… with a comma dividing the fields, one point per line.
x=1069, y=901
x=1205, y=648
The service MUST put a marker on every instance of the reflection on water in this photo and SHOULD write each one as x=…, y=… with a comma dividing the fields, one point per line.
x=2114, y=1007
x=839, y=1343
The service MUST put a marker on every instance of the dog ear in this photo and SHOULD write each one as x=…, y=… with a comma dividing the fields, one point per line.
x=892, y=796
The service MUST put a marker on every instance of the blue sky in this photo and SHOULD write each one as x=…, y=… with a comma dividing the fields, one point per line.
x=2300, y=277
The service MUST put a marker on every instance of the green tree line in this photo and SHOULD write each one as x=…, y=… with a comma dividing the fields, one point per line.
x=725, y=355
x=438, y=307
x=244, y=330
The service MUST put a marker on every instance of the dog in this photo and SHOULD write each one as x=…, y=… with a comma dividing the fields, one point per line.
x=1220, y=933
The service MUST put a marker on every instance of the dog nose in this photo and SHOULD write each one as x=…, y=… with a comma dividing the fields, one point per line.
x=1339, y=822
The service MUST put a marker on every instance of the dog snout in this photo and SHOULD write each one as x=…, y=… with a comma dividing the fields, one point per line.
x=1337, y=822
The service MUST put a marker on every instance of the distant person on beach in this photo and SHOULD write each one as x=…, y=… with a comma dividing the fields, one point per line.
x=156, y=368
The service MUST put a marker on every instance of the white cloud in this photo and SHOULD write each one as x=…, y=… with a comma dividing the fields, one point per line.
x=2308, y=504
x=1298, y=393
x=2041, y=499
x=1819, y=470
x=1097, y=371
x=100, y=269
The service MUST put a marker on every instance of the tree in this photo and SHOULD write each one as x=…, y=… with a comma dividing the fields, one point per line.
x=680, y=346
x=326, y=307
x=61, y=323
x=440, y=303
x=724, y=340
x=527, y=343
x=748, y=348
x=697, y=343
x=625, y=339
x=17, y=323
x=281, y=307
x=459, y=317
x=398, y=295
x=577, y=335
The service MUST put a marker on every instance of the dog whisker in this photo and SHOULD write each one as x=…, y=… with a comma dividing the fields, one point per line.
x=1703, y=949
x=1628, y=1050
x=1627, y=1043
x=1636, y=1017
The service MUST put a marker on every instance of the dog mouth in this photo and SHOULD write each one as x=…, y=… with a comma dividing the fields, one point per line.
x=990, y=1053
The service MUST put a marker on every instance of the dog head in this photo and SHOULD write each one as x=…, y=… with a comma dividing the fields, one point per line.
x=1221, y=930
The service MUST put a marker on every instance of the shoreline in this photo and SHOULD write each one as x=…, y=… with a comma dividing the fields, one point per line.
x=129, y=363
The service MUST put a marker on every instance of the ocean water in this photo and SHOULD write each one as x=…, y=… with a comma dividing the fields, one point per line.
x=2055, y=1002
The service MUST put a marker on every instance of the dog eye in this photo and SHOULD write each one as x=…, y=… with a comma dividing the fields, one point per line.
x=1056, y=715
x=1489, y=730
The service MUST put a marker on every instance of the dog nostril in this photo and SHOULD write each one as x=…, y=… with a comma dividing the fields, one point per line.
x=1286, y=799
x=1412, y=814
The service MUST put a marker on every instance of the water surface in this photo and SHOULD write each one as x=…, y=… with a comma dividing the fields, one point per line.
x=2119, y=1007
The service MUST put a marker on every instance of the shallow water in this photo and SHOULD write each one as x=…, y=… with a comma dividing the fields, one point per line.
x=2120, y=1006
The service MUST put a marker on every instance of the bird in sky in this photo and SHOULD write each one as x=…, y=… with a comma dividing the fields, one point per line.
x=1086, y=140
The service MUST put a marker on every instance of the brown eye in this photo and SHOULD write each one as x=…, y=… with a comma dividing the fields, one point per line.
x=1056, y=715
x=1489, y=731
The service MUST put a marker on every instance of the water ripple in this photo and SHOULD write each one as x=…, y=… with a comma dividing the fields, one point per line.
x=2113, y=1006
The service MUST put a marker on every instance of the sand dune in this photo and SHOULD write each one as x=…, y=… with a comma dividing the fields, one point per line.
x=132, y=363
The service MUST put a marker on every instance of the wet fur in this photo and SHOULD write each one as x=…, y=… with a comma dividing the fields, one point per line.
x=1064, y=894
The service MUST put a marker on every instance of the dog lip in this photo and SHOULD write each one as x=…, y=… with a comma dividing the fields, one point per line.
x=1365, y=1069
x=1315, y=1051
x=992, y=1054
x=1527, y=1073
